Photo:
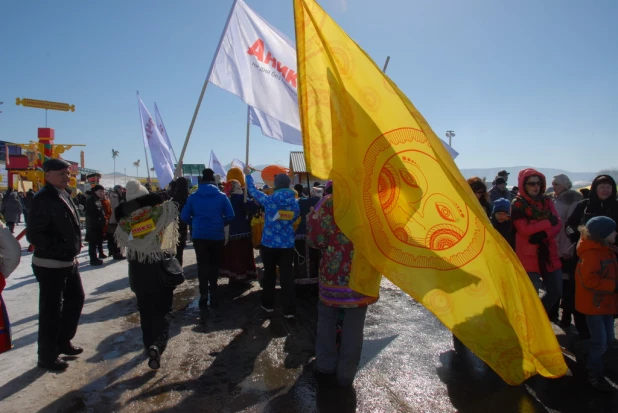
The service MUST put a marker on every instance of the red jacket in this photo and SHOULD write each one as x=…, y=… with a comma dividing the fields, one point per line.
x=595, y=279
x=527, y=226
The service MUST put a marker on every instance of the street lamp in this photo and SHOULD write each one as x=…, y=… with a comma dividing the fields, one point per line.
x=450, y=134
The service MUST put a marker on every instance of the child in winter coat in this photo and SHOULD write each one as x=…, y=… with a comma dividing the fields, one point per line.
x=501, y=220
x=596, y=291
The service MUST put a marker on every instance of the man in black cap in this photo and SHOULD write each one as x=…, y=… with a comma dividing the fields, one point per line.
x=53, y=229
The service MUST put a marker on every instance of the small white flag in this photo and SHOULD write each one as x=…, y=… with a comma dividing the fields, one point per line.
x=159, y=151
x=162, y=129
x=216, y=166
x=238, y=164
x=257, y=62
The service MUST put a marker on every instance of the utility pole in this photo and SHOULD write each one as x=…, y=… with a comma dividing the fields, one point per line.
x=450, y=135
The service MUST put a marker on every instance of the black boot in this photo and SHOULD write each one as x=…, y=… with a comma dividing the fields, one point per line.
x=53, y=365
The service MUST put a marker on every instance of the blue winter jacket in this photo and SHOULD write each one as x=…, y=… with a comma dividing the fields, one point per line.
x=207, y=211
x=281, y=211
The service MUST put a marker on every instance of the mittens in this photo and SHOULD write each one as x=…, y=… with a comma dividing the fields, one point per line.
x=536, y=239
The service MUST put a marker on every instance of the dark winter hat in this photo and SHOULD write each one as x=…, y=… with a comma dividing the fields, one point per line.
x=500, y=180
x=504, y=173
x=502, y=205
x=316, y=184
x=282, y=181
x=601, y=227
x=98, y=188
x=208, y=175
x=55, y=165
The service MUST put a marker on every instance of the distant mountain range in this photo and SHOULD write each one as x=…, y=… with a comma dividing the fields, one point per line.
x=579, y=179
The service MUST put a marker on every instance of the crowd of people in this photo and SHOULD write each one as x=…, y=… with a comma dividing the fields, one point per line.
x=566, y=243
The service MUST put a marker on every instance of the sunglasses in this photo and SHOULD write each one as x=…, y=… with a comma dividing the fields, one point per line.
x=534, y=183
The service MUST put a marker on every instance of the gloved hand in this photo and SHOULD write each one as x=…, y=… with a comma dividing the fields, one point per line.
x=536, y=239
x=553, y=219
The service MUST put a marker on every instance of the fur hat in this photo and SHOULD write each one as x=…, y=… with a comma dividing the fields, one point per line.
x=601, y=227
x=502, y=205
x=563, y=180
x=135, y=189
x=282, y=181
x=500, y=180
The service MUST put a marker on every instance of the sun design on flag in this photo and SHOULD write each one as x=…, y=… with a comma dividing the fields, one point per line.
x=413, y=221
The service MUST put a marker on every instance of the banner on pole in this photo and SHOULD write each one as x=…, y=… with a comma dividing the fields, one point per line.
x=257, y=63
x=159, y=150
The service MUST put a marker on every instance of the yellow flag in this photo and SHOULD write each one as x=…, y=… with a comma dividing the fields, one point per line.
x=411, y=215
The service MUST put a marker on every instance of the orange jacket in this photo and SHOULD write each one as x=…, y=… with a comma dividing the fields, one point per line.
x=107, y=211
x=595, y=279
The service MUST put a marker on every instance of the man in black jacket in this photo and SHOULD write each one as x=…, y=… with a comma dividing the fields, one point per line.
x=53, y=229
x=95, y=222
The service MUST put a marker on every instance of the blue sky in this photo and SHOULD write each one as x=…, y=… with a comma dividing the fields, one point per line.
x=523, y=82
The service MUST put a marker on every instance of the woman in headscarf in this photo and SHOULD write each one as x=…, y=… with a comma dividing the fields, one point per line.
x=537, y=223
x=10, y=255
x=148, y=229
x=238, y=262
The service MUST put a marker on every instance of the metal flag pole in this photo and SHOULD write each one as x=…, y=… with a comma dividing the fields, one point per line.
x=178, y=171
x=388, y=58
x=141, y=121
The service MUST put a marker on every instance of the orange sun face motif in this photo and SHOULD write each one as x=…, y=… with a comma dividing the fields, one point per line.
x=410, y=212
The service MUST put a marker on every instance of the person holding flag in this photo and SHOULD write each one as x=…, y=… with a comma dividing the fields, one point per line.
x=281, y=211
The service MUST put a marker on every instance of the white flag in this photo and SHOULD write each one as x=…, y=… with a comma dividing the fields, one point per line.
x=216, y=166
x=162, y=129
x=257, y=62
x=272, y=128
x=159, y=151
x=238, y=164
x=454, y=154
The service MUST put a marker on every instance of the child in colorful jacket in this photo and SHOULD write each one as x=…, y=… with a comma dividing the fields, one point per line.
x=281, y=211
x=596, y=291
x=336, y=296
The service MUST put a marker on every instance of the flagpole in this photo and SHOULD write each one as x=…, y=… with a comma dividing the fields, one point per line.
x=199, y=101
x=248, y=129
x=141, y=121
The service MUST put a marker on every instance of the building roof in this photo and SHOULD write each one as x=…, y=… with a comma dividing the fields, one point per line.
x=297, y=162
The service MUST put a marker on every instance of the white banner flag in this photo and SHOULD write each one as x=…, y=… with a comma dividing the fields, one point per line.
x=159, y=150
x=257, y=63
x=162, y=129
x=272, y=128
x=237, y=164
x=216, y=166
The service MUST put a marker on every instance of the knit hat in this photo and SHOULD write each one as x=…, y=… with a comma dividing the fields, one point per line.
x=98, y=188
x=601, y=227
x=500, y=180
x=563, y=180
x=208, y=176
x=282, y=181
x=135, y=189
x=502, y=205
